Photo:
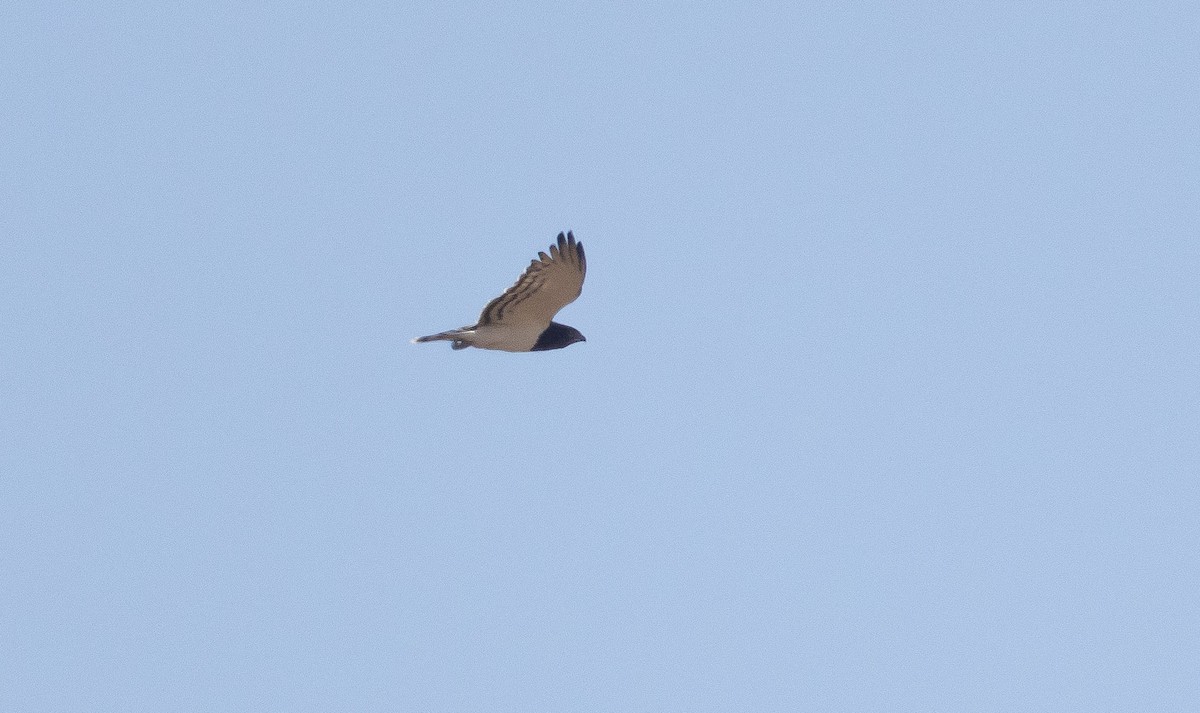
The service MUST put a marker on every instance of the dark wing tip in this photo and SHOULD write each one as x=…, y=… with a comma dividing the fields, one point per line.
x=578, y=252
x=567, y=246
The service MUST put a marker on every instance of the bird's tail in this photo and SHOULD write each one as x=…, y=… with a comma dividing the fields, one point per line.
x=454, y=335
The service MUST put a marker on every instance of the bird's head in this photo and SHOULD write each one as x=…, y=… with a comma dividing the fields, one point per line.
x=557, y=336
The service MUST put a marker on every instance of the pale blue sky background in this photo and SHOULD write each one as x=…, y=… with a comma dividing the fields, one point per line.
x=890, y=399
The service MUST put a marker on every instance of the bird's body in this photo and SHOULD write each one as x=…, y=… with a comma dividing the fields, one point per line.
x=520, y=320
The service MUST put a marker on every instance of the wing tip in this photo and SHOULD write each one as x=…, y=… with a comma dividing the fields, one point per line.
x=567, y=245
x=577, y=248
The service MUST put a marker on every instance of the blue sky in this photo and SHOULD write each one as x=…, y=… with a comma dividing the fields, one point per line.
x=890, y=397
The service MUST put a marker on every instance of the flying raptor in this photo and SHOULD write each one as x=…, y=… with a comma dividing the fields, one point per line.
x=520, y=319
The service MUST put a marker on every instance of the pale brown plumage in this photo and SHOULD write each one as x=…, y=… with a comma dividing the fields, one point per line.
x=549, y=283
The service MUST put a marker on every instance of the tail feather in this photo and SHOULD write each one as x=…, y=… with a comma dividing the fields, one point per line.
x=442, y=337
x=455, y=336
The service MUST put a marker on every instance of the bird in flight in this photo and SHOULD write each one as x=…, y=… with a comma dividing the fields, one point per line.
x=520, y=319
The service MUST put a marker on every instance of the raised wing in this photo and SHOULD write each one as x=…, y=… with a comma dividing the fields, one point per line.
x=550, y=283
